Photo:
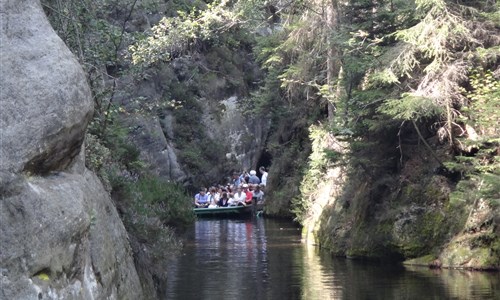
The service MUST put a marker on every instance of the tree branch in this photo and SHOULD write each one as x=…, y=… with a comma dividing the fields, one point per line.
x=426, y=144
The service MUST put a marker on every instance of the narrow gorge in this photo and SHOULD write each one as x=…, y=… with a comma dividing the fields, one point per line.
x=378, y=122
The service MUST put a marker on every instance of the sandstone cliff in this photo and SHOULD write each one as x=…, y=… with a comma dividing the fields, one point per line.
x=60, y=234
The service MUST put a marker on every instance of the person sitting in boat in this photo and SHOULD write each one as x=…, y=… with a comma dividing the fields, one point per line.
x=258, y=194
x=224, y=200
x=248, y=194
x=201, y=199
x=231, y=201
x=213, y=197
x=253, y=179
x=239, y=196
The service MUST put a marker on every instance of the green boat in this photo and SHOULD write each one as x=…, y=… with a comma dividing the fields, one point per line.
x=230, y=211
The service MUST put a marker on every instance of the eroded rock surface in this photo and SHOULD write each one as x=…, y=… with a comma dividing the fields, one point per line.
x=45, y=97
x=60, y=234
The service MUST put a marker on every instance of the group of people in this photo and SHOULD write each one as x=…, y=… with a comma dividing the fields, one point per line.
x=243, y=189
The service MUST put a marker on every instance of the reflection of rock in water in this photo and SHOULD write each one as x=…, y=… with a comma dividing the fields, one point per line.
x=318, y=282
x=462, y=284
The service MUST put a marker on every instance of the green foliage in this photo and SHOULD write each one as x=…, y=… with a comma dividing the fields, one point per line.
x=410, y=107
x=155, y=198
x=483, y=109
x=478, y=186
x=96, y=154
x=175, y=35
x=479, y=162
x=95, y=40
x=287, y=171
x=326, y=152
x=440, y=29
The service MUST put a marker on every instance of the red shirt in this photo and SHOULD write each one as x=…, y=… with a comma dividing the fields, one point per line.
x=249, y=196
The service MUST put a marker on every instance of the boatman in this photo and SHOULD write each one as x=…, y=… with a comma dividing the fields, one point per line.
x=201, y=199
x=263, y=179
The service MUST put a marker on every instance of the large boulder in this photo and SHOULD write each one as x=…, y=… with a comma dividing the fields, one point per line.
x=44, y=95
x=60, y=234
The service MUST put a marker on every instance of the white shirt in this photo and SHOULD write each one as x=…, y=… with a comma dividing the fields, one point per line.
x=263, y=180
x=240, y=197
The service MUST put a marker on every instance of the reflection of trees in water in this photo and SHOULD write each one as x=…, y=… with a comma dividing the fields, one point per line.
x=348, y=279
x=264, y=259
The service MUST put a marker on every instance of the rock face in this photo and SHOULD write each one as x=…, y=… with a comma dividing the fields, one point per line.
x=36, y=87
x=217, y=112
x=246, y=136
x=60, y=234
x=410, y=216
x=156, y=147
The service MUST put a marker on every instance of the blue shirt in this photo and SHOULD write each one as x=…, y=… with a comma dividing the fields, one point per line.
x=254, y=179
x=200, y=198
x=237, y=181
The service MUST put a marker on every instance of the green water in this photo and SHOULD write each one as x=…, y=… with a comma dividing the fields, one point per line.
x=264, y=259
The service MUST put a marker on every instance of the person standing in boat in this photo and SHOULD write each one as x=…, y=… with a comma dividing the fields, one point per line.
x=253, y=179
x=236, y=181
x=244, y=176
x=201, y=199
x=263, y=178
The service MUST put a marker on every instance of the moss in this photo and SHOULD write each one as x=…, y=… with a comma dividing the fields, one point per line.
x=494, y=255
x=43, y=276
x=420, y=261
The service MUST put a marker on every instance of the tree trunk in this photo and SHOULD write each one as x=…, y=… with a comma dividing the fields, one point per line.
x=332, y=61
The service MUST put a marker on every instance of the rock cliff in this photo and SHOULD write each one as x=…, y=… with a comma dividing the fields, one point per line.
x=411, y=215
x=60, y=234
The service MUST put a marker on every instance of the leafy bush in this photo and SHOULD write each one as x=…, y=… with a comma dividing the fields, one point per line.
x=153, y=198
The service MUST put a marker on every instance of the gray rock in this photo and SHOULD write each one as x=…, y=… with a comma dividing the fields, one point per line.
x=156, y=150
x=245, y=135
x=44, y=97
x=60, y=234
x=61, y=238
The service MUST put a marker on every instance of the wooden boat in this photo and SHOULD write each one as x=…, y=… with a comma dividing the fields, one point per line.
x=233, y=211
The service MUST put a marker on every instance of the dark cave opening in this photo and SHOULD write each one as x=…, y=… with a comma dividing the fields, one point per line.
x=265, y=160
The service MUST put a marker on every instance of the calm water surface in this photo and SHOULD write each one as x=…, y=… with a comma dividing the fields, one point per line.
x=264, y=259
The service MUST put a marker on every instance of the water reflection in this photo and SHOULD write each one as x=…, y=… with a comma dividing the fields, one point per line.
x=264, y=259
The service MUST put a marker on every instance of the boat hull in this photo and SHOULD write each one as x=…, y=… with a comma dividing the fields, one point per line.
x=231, y=211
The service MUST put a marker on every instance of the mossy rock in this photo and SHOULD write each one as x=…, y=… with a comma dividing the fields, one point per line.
x=426, y=260
x=480, y=251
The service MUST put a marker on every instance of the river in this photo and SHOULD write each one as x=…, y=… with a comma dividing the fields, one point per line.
x=264, y=259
